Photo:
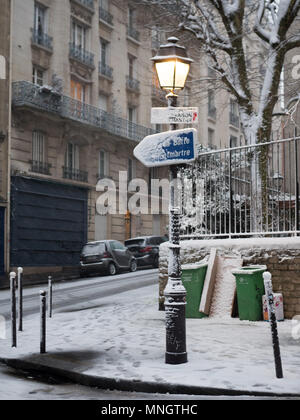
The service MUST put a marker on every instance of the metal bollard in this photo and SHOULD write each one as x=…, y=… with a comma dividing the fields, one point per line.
x=273, y=323
x=13, y=309
x=50, y=296
x=43, y=322
x=20, y=300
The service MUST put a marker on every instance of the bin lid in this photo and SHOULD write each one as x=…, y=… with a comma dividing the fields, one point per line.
x=250, y=269
x=195, y=266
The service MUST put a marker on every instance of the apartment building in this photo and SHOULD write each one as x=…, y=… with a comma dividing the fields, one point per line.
x=4, y=131
x=81, y=100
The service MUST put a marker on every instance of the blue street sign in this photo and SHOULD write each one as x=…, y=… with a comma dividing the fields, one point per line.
x=169, y=148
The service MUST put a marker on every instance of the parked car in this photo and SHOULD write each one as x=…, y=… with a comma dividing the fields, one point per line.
x=146, y=249
x=106, y=256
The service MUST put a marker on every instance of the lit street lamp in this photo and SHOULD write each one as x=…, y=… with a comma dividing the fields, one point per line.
x=172, y=66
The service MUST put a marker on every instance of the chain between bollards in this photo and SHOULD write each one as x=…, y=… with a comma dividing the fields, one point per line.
x=20, y=298
x=50, y=296
x=273, y=323
x=13, y=309
x=43, y=322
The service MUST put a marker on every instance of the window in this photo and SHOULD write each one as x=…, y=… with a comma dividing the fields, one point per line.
x=40, y=19
x=211, y=104
x=103, y=164
x=131, y=66
x=103, y=102
x=211, y=138
x=79, y=91
x=38, y=147
x=186, y=97
x=117, y=246
x=79, y=35
x=234, y=113
x=132, y=115
x=72, y=156
x=104, y=5
x=38, y=76
x=131, y=169
x=104, y=49
x=233, y=141
x=131, y=17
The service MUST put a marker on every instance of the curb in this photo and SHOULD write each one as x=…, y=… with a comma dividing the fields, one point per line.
x=134, y=385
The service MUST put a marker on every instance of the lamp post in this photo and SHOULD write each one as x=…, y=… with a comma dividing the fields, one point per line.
x=172, y=66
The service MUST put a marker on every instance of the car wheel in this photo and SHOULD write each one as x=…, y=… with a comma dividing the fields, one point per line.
x=133, y=266
x=112, y=270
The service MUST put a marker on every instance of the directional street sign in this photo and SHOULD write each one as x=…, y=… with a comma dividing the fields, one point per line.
x=174, y=115
x=169, y=148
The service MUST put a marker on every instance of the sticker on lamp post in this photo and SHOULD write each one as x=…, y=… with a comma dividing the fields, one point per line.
x=169, y=148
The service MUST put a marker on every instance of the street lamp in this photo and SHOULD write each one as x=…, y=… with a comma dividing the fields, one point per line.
x=172, y=66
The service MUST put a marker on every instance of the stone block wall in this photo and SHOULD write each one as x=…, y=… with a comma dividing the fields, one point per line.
x=280, y=255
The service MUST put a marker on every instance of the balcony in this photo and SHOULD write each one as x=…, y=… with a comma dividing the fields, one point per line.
x=75, y=174
x=79, y=54
x=105, y=16
x=26, y=94
x=234, y=120
x=40, y=167
x=88, y=4
x=41, y=39
x=132, y=84
x=133, y=33
x=105, y=70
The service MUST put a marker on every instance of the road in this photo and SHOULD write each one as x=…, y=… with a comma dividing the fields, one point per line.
x=17, y=385
x=82, y=291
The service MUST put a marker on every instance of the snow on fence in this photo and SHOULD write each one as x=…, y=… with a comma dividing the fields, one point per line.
x=243, y=191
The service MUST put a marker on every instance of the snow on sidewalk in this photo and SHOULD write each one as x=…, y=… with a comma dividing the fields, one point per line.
x=123, y=337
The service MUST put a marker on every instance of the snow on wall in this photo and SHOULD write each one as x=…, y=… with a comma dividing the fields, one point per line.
x=281, y=255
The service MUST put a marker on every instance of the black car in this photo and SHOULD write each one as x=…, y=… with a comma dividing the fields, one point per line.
x=106, y=256
x=146, y=249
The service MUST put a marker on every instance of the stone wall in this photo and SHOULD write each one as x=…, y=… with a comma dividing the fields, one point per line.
x=281, y=255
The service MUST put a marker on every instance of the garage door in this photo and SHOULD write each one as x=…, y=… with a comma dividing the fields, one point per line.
x=48, y=223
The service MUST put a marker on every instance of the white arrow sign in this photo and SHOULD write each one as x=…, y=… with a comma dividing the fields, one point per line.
x=169, y=148
x=174, y=115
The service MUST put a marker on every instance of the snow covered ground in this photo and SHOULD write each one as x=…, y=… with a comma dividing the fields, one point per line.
x=124, y=337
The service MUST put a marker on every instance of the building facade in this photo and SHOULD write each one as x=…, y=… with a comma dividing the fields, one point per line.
x=5, y=116
x=81, y=100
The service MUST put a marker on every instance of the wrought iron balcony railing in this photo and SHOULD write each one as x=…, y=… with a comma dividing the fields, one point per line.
x=41, y=39
x=105, y=70
x=106, y=16
x=234, y=119
x=132, y=84
x=80, y=54
x=133, y=33
x=40, y=167
x=26, y=94
x=75, y=174
x=89, y=4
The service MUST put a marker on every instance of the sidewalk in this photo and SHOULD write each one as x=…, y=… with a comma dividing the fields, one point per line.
x=120, y=344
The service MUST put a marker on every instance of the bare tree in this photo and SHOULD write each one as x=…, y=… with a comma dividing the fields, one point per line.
x=220, y=27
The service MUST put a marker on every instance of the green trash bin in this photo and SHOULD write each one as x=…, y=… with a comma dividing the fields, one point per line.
x=250, y=290
x=193, y=277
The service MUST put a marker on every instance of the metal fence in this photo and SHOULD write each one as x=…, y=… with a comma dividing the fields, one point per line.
x=243, y=191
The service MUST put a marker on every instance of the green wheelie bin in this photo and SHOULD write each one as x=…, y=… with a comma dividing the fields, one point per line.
x=193, y=277
x=250, y=290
